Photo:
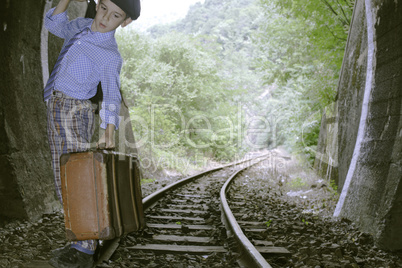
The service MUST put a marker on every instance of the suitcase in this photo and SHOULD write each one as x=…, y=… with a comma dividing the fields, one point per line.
x=101, y=195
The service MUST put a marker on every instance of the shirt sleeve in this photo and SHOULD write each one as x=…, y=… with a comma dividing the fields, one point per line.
x=60, y=25
x=110, y=80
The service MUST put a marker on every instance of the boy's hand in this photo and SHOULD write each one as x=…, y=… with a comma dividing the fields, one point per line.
x=107, y=139
x=63, y=5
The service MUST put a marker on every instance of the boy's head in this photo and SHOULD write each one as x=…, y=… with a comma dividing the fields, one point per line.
x=111, y=14
x=131, y=7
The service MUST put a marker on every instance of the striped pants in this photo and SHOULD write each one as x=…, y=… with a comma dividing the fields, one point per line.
x=70, y=126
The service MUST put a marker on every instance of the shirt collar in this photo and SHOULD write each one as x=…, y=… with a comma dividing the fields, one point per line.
x=97, y=36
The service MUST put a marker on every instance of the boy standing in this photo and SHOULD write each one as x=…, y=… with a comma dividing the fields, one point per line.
x=89, y=55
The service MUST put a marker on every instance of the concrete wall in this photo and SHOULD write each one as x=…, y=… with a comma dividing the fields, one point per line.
x=26, y=178
x=326, y=160
x=370, y=123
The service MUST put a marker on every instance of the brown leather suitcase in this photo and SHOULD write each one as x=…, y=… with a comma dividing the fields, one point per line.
x=129, y=194
x=101, y=195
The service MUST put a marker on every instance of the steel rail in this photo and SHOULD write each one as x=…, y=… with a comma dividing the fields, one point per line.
x=249, y=255
x=151, y=199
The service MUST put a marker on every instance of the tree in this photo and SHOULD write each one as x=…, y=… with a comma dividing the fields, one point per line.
x=302, y=44
x=178, y=100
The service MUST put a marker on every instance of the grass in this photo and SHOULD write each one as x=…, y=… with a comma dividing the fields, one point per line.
x=297, y=183
x=145, y=181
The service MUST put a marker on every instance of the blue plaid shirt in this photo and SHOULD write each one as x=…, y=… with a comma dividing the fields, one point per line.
x=92, y=59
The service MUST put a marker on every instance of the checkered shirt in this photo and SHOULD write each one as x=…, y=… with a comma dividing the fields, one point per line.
x=92, y=59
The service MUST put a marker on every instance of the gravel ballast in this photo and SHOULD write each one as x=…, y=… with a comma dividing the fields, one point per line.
x=294, y=203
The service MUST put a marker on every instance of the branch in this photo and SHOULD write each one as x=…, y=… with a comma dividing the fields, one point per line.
x=336, y=37
x=330, y=7
x=343, y=12
x=333, y=11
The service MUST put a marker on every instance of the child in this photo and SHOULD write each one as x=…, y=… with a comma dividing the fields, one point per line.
x=89, y=56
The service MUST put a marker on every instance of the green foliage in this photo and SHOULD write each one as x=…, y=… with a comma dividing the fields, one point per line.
x=275, y=63
x=223, y=28
x=145, y=181
x=302, y=46
x=334, y=186
x=178, y=103
x=330, y=20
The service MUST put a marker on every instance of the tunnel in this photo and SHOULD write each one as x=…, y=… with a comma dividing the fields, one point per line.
x=363, y=138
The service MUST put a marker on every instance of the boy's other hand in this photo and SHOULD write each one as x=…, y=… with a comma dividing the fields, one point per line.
x=107, y=139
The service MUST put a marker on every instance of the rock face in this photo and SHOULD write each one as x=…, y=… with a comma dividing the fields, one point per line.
x=370, y=122
x=26, y=177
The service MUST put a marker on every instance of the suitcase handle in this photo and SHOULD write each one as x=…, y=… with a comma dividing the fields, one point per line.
x=102, y=146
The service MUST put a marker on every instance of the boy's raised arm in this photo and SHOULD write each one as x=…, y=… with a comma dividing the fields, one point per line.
x=63, y=5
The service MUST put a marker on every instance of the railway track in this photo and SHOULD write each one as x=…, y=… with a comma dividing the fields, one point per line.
x=190, y=224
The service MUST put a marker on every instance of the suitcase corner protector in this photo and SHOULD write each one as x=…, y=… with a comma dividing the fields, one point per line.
x=64, y=159
x=107, y=233
x=70, y=235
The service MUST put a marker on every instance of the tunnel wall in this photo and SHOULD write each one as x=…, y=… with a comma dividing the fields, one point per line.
x=369, y=121
x=326, y=159
x=26, y=177
x=26, y=188
x=351, y=89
